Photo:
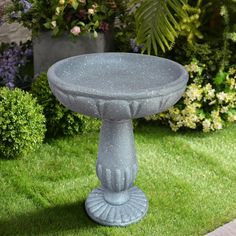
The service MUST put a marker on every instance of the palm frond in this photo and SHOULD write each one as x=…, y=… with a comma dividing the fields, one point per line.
x=157, y=23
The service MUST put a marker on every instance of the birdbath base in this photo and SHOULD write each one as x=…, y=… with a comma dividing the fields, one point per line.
x=117, y=202
x=106, y=213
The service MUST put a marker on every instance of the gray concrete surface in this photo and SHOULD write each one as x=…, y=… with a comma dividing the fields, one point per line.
x=13, y=32
x=225, y=230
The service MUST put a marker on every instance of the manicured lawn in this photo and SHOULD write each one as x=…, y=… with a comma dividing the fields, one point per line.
x=189, y=179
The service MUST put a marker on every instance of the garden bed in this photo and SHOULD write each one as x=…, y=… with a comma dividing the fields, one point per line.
x=188, y=177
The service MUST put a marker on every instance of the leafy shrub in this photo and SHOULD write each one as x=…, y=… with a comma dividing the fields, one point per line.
x=215, y=46
x=61, y=16
x=59, y=120
x=207, y=104
x=22, y=124
x=160, y=23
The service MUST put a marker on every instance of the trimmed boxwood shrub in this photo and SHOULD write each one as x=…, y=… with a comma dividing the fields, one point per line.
x=59, y=120
x=22, y=124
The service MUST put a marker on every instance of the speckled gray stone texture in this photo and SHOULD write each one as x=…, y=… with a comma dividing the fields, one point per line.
x=117, y=87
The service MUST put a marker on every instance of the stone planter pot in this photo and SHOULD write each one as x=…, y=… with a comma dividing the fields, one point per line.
x=48, y=49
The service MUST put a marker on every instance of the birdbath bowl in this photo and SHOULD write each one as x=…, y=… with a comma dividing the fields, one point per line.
x=117, y=87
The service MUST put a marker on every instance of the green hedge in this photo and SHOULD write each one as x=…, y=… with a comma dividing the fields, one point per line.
x=22, y=124
x=59, y=120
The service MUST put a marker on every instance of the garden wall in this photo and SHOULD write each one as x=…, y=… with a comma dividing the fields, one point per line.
x=12, y=32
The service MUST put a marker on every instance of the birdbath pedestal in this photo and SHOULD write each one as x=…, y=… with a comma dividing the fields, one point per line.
x=117, y=87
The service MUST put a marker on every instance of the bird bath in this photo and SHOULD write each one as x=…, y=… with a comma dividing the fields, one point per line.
x=117, y=87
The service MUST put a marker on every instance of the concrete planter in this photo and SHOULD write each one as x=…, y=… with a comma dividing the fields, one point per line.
x=48, y=49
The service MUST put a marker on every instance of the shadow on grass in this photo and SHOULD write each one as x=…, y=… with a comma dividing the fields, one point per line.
x=48, y=220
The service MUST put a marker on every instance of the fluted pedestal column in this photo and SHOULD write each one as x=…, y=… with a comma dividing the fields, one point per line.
x=117, y=202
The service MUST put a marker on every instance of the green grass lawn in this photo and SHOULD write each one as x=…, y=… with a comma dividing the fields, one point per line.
x=189, y=179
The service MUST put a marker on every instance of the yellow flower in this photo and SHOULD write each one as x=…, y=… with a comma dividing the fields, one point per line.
x=224, y=109
x=194, y=92
x=215, y=115
x=207, y=87
x=232, y=71
x=212, y=102
x=173, y=126
x=217, y=125
x=231, y=118
x=222, y=96
x=193, y=67
x=190, y=121
x=174, y=110
x=206, y=125
x=232, y=83
x=216, y=119
x=209, y=92
x=58, y=10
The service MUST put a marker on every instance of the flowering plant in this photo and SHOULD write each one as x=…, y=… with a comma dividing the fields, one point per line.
x=15, y=60
x=58, y=16
x=207, y=103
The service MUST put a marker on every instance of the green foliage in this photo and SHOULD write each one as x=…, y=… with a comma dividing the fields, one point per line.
x=59, y=16
x=157, y=23
x=22, y=125
x=215, y=48
x=189, y=25
x=124, y=31
x=160, y=22
x=210, y=54
x=207, y=104
x=216, y=25
x=206, y=46
x=59, y=120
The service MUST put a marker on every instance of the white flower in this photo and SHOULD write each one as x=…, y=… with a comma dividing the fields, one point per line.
x=224, y=109
x=232, y=83
x=209, y=91
x=218, y=125
x=206, y=125
x=232, y=71
x=212, y=102
x=215, y=115
x=75, y=30
x=194, y=92
x=54, y=24
x=232, y=118
x=91, y=11
x=58, y=9
x=193, y=67
x=94, y=6
x=223, y=11
x=222, y=96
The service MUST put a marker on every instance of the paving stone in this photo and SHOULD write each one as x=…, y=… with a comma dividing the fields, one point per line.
x=225, y=230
